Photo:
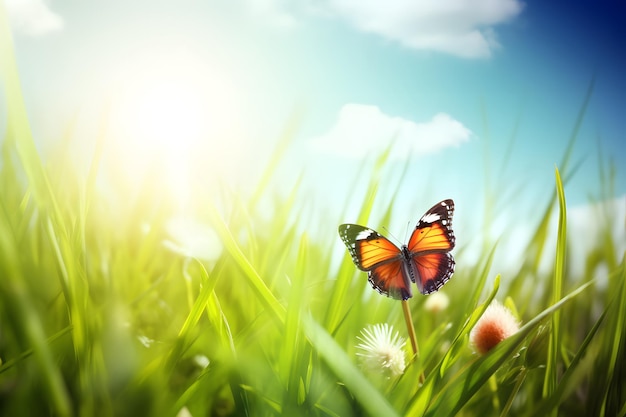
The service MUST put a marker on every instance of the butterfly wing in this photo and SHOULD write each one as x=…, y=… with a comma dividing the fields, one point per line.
x=433, y=270
x=381, y=259
x=391, y=279
x=429, y=247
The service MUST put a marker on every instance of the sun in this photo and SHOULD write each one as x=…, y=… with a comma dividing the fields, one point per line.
x=171, y=100
x=169, y=113
x=167, y=110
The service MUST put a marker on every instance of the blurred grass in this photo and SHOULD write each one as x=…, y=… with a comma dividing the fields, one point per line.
x=554, y=344
x=99, y=317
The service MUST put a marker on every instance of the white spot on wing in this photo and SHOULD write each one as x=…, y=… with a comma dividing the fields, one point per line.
x=430, y=218
x=364, y=234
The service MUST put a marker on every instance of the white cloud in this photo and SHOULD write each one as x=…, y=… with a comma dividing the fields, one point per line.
x=464, y=28
x=362, y=129
x=273, y=12
x=459, y=27
x=32, y=17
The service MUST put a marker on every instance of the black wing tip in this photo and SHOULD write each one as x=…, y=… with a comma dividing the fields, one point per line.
x=443, y=209
x=345, y=227
x=448, y=204
x=344, y=230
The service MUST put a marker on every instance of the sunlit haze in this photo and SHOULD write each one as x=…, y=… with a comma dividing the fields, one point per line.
x=173, y=112
x=194, y=99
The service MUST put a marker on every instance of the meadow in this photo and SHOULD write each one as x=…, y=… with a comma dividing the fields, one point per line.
x=98, y=316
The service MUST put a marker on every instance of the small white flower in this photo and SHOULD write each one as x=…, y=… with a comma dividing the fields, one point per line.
x=184, y=412
x=382, y=350
x=436, y=302
x=201, y=361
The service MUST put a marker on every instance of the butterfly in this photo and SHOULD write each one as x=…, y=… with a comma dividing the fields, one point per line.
x=426, y=260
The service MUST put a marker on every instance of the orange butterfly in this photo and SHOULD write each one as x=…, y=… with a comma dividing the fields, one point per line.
x=426, y=260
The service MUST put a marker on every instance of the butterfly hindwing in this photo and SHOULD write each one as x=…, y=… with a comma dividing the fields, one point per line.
x=433, y=270
x=390, y=279
x=378, y=256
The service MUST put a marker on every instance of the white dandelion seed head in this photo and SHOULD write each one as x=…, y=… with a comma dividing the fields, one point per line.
x=382, y=350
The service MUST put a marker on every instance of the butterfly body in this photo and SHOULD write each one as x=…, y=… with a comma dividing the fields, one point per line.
x=425, y=260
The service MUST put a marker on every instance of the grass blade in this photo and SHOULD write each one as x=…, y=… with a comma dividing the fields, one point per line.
x=612, y=396
x=369, y=397
x=448, y=360
x=455, y=395
x=254, y=279
x=197, y=309
x=433, y=385
x=566, y=384
x=292, y=359
x=550, y=380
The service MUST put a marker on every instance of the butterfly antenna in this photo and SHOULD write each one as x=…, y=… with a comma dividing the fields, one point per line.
x=388, y=233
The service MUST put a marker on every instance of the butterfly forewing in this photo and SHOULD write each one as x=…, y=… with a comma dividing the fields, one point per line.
x=434, y=230
x=366, y=246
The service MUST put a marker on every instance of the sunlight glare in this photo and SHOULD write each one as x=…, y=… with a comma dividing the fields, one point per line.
x=170, y=114
x=175, y=114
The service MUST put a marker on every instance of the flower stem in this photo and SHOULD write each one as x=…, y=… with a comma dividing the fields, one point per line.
x=409, y=326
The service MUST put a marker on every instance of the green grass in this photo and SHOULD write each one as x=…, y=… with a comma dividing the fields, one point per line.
x=98, y=317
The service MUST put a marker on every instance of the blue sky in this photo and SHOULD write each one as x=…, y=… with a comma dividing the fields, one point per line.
x=455, y=83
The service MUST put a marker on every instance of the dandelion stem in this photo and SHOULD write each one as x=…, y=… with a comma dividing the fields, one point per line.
x=409, y=326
